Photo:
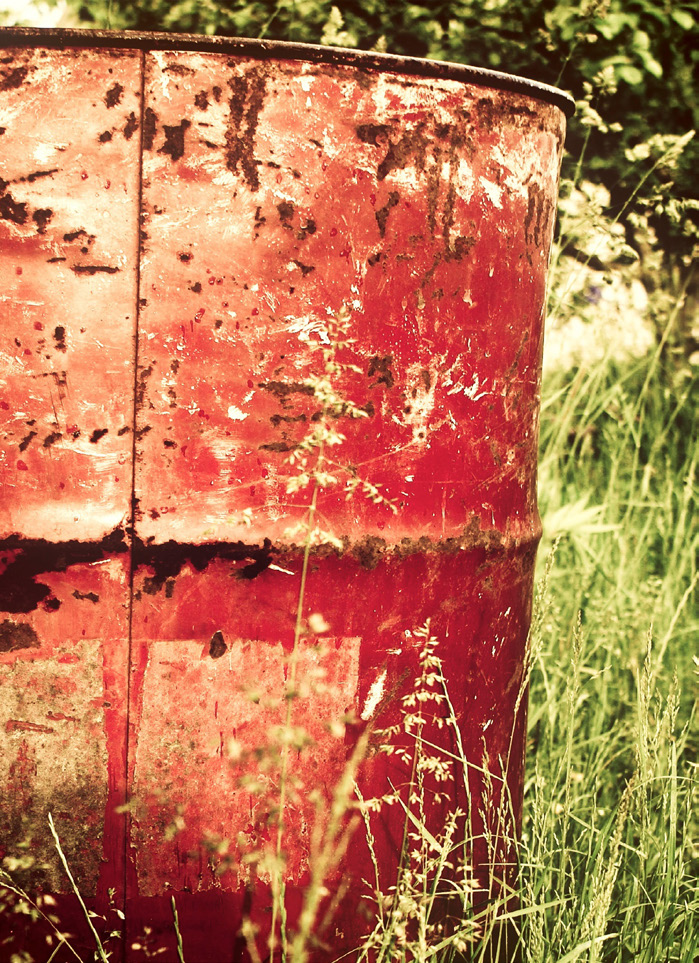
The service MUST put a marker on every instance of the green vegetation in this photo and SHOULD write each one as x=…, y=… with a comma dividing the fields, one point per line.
x=610, y=806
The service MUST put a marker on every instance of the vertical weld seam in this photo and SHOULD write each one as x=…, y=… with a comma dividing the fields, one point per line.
x=132, y=507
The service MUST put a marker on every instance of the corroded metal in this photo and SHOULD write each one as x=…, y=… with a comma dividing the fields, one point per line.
x=175, y=226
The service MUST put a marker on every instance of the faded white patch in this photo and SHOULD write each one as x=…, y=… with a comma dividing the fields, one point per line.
x=278, y=568
x=405, y=180
x=44, y=152
x=374, y=696
x=493, y=192
x=420, y=387
x=465, y=181
x=470, y=391
x=308, y=325
x=225, y=178
x=165, y=82
x=515, y=186
x=235, y=414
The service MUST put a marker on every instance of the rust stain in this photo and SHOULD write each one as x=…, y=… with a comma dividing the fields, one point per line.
x=114, y=95
x=17, y=635
x=28, y=559
x=174, y=139
x=18, y=725
x=13, y=78
x=150, y=128
x=245, y=106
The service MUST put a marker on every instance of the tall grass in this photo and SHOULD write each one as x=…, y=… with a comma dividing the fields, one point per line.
x=609, y=852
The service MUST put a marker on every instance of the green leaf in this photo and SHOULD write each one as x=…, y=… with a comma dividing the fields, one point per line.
x=613, y=24
x=630, y=75
x=683, y=19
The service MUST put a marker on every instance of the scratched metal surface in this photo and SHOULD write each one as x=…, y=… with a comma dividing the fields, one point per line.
x=172, y=226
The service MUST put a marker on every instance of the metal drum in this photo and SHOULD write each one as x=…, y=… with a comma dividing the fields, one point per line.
x=220, y=258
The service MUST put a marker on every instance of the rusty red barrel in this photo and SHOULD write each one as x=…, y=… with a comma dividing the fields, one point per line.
x=182, y=223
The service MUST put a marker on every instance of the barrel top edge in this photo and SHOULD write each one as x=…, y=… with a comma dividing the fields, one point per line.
x=57, y=37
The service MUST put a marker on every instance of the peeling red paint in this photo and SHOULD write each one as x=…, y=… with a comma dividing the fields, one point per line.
x=149, y=579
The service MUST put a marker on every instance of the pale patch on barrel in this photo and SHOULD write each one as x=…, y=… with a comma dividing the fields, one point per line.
x=196, y=709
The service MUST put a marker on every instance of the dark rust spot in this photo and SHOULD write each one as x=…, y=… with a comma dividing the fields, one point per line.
x=30, y=178
x=304, y=268
x=287, y=419
x=52, y=439
x=143, y=377
x=41, y=218
x=86, y=596
x=13, y=78
x=17, y=635
x=381, y=367
x=26, y=441
x=182, y=70
x=81, y=233
x=105, y=136
x=284, y=389
x=374, y=134
x=217, y=645
x=150, y=127
x=113, y=95
x=166, y=560
x=382, y=214
x=286, y=212
x=278, y=446
x=462, y=247
x=307, y=230
x=12, y=210
x=131, y=126
x=97, y=434
x=174, y=139
x=201, y=100
x=410, y=149
x=59, y=335
x=245, y=105
x=94, y=269
x=21, y=592
x=369, y=551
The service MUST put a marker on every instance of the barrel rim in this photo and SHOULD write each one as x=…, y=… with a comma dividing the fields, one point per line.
x=62, y=37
